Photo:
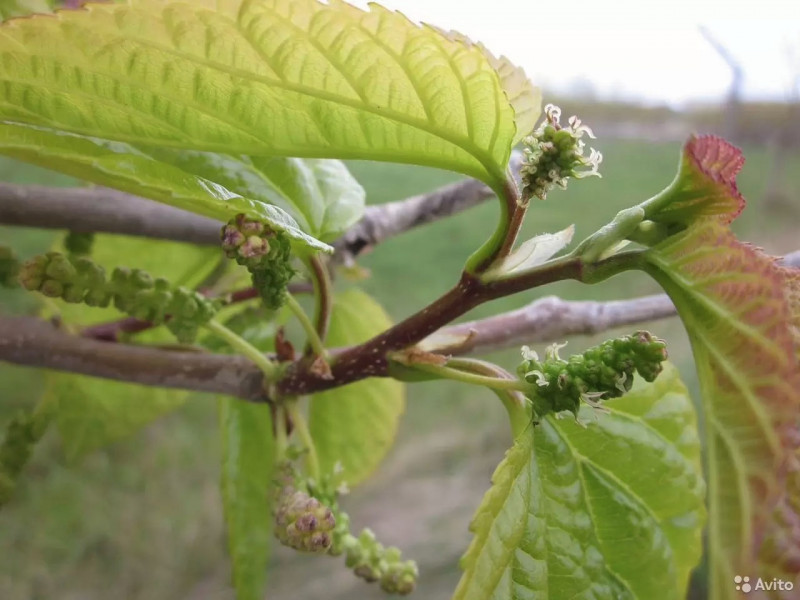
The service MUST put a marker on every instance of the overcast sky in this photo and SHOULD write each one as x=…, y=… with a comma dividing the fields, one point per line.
x=647, y=50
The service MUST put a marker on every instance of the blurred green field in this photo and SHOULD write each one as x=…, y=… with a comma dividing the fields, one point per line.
x=142, y=518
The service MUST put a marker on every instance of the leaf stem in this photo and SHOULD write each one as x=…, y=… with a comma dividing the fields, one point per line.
x=495, y=383
x=281, y=441
x=238, y=343
x=516, y=405
x=323, y=294
x=311, y=333
x=301, y=427
x=511, y=216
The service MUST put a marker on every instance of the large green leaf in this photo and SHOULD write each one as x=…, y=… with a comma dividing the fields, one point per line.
x=94, y=412
x=267, y=77
x=194, y=181
x=355, y=425
x=742, y=312
x=731, y=300
x=611, y=510
x=248, y=461
x=21, y=8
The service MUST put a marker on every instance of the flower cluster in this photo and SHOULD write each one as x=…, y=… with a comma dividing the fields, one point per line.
x=554, y=153
x=302, y=522
x=266, y=254
x=604, y=371
x=133, y=291
x=308, y=518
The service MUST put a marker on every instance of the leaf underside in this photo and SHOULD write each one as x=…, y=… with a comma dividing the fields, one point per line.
x=92, y=412
x=613, y=510
x=248, y=456
x=267, y=77
x=731, y=300
x=742, y=312
x=355, y=425
x=214, y=185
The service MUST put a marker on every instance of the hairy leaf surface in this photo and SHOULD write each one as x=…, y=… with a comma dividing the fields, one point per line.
x=741, y=312
x=270, y=77
x=248, y=460
x=355, y=425
x=612, y=510
x=731, y=300
x=94, y=412
x=199, y=182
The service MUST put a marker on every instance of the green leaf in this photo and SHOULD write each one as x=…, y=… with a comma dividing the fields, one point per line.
x=732, y=301
x=277, y=78
x=193, y=181
x=21, y=8
x=248, y=461
x=321, y=195
x=612, y=510
x=93, y=412
x=355, y=425
x=525, y=98
x=532, y=252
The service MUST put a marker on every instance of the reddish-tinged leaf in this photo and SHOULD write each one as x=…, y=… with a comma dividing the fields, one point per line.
x=792, y=278
x=780, y=554
x=705, y=185
x=732, y=300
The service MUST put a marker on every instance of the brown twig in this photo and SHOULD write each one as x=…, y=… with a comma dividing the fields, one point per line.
x=32, y=342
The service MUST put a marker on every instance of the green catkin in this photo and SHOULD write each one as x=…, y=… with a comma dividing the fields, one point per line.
x=602, y=372
x=266, y=253
x=132, y=291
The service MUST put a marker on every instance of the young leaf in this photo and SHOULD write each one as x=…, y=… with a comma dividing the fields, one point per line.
x=704, y=187
x=779, y=557
x=298, y=78
x=248, y=461
x=532, y=252
x=193, y=181
x=355, y=425
x=741, y=312
x=612, y=510
x=731, y=300
x=94, y=412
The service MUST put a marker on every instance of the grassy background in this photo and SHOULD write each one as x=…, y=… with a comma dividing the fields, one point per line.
x=142, y=519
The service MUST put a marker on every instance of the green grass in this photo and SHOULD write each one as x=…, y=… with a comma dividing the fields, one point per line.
x=141, y=519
